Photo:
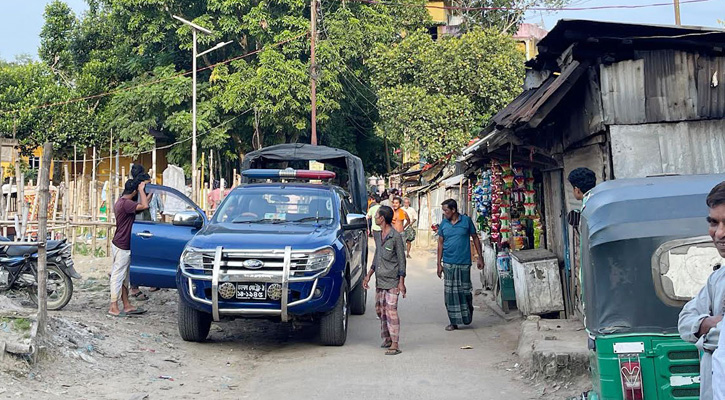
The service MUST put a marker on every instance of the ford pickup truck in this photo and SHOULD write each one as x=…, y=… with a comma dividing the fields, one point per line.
x=286, y=245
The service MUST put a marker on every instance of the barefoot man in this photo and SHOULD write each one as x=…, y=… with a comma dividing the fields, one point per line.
x=125, y=210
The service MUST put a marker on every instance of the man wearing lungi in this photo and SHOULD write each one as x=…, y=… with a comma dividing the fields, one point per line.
x=454, y=263
x=389, y=269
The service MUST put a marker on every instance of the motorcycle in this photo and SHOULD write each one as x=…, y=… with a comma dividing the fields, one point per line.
x=19, y=271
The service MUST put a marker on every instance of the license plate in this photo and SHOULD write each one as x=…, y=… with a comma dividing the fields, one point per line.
x=251, y=291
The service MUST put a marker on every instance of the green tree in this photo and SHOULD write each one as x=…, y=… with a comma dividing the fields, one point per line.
x=437, y=95
x=27, y=91
x=500, y=15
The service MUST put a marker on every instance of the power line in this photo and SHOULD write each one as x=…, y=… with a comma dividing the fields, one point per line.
x=169, y=145
x=610, y=7
x=111, y=92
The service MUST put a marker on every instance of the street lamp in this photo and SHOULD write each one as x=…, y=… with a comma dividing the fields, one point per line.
x=194, y=29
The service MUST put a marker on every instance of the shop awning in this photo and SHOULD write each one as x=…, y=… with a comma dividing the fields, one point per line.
x=454, y=181
x=526, y=111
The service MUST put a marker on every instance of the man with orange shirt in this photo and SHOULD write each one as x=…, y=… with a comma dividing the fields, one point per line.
x=401, y=220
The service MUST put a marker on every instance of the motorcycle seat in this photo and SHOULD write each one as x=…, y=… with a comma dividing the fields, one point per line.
x=16, y=251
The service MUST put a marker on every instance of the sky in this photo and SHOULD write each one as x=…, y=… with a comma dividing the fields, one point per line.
x=22, y=20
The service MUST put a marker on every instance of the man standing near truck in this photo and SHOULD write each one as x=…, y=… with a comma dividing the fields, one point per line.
x=125, y=210
x=389, y=269
x=700, y=319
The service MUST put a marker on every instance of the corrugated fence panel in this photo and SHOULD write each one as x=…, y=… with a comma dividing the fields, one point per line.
x=623, y=92
x=670, y=89
x=711, y=87
x=693, y=147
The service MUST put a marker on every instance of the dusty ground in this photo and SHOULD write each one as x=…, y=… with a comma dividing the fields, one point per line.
x=92, y=356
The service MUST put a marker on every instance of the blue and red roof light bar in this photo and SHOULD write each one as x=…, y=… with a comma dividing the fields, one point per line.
x=287, y=174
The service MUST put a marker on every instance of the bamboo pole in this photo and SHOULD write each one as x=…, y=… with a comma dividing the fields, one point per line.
x=82, y=200
x=202, y=200
x=66, y=200
x=94, y=187
x=10, y=195
x=43, y=185
x=153, y=164
x=430, y=218
x=111, y=183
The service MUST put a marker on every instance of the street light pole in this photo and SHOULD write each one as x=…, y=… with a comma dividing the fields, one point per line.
x=194, y=182
x=194, y=29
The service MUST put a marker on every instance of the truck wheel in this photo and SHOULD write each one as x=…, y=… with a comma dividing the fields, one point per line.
x=333, y=326
x=194, y=325
x=358, y=299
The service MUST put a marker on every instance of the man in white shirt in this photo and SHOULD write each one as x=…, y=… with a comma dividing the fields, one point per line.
x=410, y=230
x=699, y=320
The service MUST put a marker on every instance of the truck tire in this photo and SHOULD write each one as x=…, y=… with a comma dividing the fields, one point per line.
x=193, y=324
x=333, y=326
x=358, y=298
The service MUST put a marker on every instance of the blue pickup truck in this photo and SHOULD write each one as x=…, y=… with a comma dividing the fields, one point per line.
x=284, y=249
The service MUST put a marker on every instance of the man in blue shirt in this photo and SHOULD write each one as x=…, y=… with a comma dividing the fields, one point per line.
x=454, y=263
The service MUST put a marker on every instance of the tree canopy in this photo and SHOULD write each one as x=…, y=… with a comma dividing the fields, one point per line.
x=125, y=66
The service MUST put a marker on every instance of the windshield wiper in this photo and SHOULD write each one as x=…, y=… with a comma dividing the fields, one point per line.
x=316, y=219
x=253, y=221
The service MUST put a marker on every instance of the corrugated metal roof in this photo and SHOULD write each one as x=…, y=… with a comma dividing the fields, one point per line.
x=569, y=31
x=532, y=106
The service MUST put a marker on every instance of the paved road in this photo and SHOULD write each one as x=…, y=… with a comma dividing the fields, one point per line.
x=432, y=365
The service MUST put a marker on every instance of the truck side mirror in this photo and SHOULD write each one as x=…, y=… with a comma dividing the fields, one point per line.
x=188, y=218
x=355, y=221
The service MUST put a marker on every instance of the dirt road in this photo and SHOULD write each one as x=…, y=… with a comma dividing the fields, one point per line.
x=93, y=356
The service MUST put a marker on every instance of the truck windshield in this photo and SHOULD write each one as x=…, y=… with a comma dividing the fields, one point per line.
x=277, y=206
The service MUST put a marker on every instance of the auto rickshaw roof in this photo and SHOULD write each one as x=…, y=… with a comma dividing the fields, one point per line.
x=646, y=207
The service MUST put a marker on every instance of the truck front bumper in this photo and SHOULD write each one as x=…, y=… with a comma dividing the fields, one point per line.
x=311, y=300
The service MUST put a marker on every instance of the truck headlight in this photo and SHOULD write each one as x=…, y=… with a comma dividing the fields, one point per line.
x=192, y=258
x=320, y=260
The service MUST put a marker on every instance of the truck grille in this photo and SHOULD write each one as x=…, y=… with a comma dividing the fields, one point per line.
x=271, y=260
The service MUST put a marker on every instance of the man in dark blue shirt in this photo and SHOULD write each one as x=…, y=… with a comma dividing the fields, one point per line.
x=454, y=262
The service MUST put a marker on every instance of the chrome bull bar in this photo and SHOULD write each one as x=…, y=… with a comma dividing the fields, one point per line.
x=283, y=278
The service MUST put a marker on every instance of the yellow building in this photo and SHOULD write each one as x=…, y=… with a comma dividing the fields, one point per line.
x=528, y=37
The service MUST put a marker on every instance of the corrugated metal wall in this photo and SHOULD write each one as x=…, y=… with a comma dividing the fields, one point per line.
x=663, y=86
x=693, y=147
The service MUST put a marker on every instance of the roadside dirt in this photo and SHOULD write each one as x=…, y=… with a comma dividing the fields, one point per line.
x=90, y=355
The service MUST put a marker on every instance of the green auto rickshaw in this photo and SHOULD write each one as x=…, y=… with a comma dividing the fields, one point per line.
x=644, y=253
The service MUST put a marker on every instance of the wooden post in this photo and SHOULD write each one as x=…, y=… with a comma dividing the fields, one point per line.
x=43, y=184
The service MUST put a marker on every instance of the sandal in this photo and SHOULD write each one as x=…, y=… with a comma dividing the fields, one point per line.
x=393, y=352
x=119, y=315
x=386, y=345
x=140, y=296
x=137, y=311
x=451, y=327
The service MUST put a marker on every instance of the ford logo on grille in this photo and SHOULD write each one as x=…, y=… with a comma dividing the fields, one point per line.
x=253, y=264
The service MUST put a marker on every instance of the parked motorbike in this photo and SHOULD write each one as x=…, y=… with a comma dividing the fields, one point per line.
x=19, y=271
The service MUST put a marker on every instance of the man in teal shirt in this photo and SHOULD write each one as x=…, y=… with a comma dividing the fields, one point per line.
x=454, y=263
